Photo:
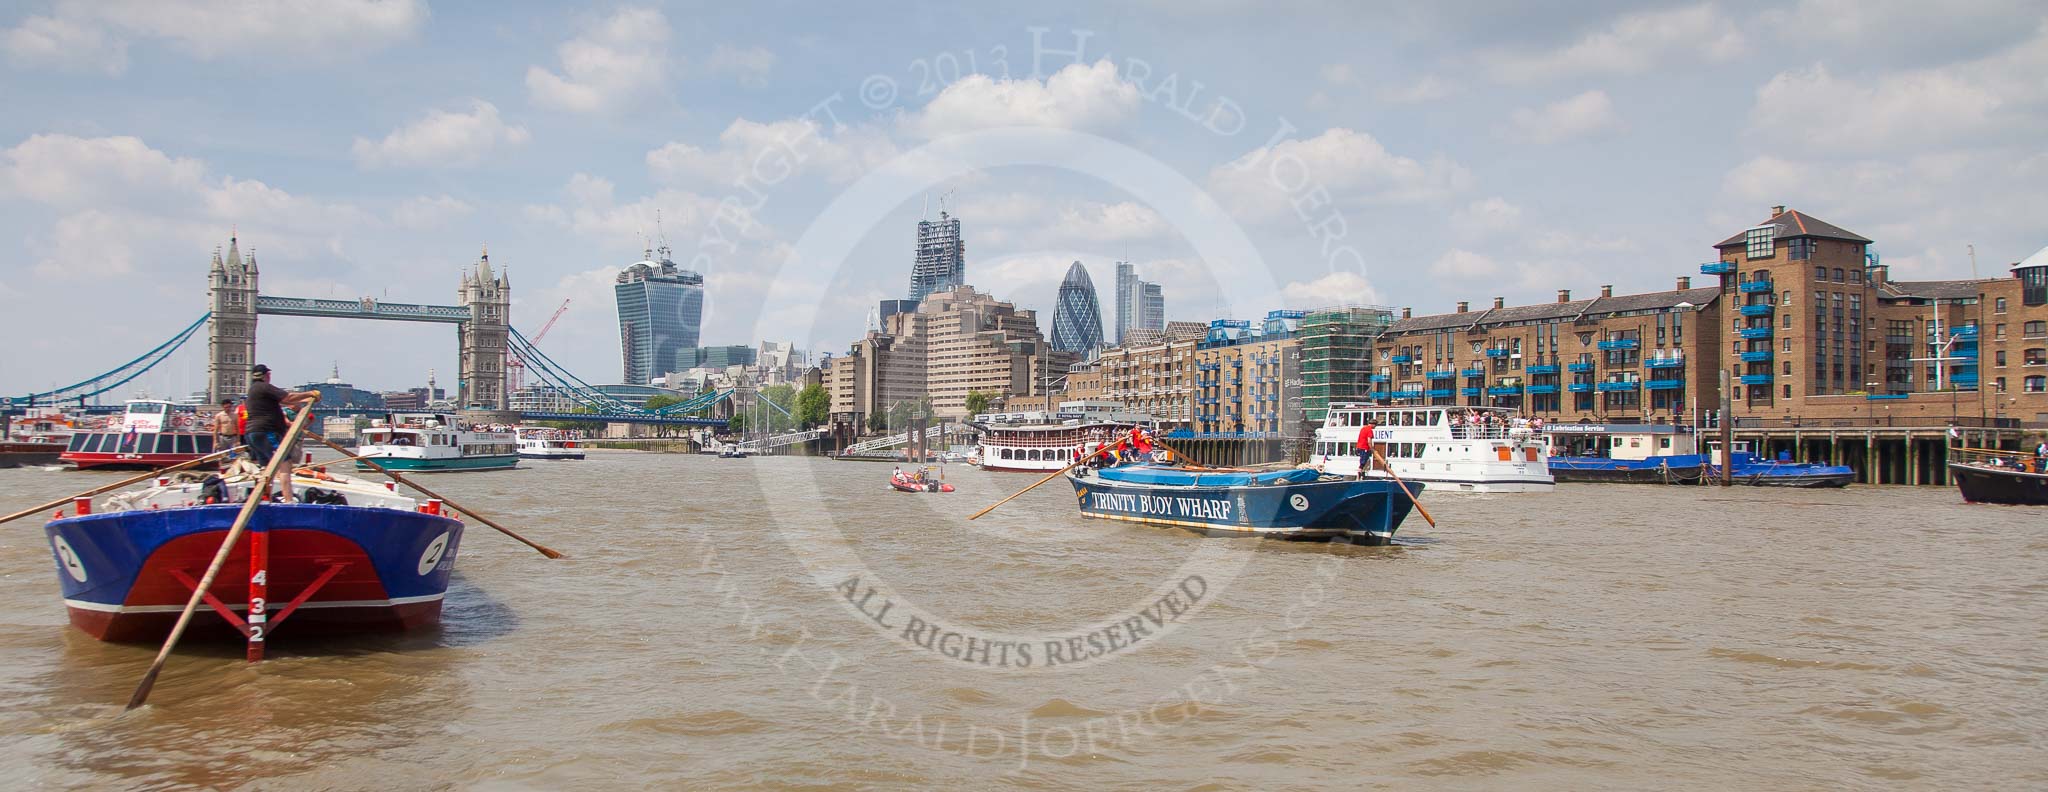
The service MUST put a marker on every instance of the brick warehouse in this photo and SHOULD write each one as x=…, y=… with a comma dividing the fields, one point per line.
x=1827, y=358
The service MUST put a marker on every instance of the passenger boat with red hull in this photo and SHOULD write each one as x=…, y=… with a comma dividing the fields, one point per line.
x=367, y=559
x=37, y=438
x=1038, y=442
x=151, y=433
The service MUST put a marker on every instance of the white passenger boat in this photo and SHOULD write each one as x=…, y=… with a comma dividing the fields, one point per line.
x=546, y=443
x=1045, y=442
x=435, y=442
x=1455, y=449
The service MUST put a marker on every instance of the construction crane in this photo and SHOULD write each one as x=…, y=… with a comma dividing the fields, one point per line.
x=515, y=366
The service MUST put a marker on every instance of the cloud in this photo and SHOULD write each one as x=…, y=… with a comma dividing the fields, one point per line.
x=768, y=153
x=1631, y=44
x=442, y=139
x=1909, y=31
x=94, y=34
x=1342, y=287
x=1337, y=74
x=1465, y=265
x=616, y=61
x=687, y=217
x=1894, y=111
x=1581, y=116
x=750, y=65
x=1117, y=222
x=1353, y=167
x=66, y=171
x=424, y=213
x=1076, y=97
x=1488, y=215
x=1428, y=88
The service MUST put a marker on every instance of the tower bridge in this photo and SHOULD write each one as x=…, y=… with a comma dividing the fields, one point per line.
x=484, y=338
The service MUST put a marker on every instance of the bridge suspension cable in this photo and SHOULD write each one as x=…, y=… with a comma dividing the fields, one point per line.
x=588, y=395
x=119, y=375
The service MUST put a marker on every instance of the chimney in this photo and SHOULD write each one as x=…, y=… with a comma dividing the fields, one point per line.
x=1464, y=306
x=1684, y=282
x=1607, y=290
x=1564, y=295
x=1777, y=210
x=1407, y=313
x=1499, y=303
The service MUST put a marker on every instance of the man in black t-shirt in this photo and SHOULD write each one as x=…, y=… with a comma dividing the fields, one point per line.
x=267, y=424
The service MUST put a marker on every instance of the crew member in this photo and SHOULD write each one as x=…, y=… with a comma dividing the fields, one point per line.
x=266, y=425
x=224, y=425
x=1365, y=447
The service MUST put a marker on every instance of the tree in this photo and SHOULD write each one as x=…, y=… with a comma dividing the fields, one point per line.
x=813, y=406
x=656, y=402
x=783, y=396
x=878, y=421
x=977, y=402
x=737, y=424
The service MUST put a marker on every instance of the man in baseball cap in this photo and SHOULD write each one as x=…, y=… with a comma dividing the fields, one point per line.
x=266, y=403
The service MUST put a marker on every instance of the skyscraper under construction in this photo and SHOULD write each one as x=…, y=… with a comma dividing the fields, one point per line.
x=941, y=257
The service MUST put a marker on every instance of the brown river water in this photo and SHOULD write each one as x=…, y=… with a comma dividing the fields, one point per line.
x=787, y=623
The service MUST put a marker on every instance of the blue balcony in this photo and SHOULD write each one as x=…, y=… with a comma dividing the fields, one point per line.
x=1404, y=358
x=1761, y=309
x=1964, y=351
x=1378, y=394
x=1759, y=356
x=1408, y=393
x=1208, y=367
x=1755, y=286
x=1614, y=344
x=1438, y=393
x=1961, y=379
x=1549, y=369
x=1717, y=267
x=1885, y=396
x=1496, y=352
x=1756, y=379
x=1579, y=368
x=1380, y=378
x=1664, y=361
x=1966, y=331
x=1624, y=385
x=1538, y=390
x=1512, y=390
x=1444, y=374
x=1470, y=391
x=1580, y=387
x=1667, y=384
x=1754, y=333
x=1472, y=372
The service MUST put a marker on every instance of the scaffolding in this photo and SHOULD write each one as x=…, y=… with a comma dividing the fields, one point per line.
x=1336, y=355
x=941, y=258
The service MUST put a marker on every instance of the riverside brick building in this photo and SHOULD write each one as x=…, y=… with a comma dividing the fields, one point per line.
x=1827, y=357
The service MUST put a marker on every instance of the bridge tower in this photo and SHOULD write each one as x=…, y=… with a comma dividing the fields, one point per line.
x=231, y=333
x=483, y=338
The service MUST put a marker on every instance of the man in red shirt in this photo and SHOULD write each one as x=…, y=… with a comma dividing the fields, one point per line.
x=1365, y=448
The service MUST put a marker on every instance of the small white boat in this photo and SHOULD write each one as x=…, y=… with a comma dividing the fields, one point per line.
x=436, y=442
x=543, y=443
x=1455, y=449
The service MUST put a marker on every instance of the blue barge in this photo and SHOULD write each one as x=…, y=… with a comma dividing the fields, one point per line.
x=1666, y=454
x=1286, y=504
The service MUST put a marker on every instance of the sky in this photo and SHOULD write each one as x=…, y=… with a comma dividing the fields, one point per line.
x=1248, y=156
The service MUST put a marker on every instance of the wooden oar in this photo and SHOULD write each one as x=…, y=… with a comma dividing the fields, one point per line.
x=544, y=550
x=1056, y=474
x=1384, y=465
x=257, y=493
x=119, y=484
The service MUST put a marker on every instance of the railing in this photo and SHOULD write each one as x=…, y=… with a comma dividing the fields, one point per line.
x=1624, y=385
x=1472, y=372
x=1470, y=391
x=1403, y=358
x=1579, y=368
x=1759, y=356
x=1752, y=287
x=1438, y=393
x=1666, y=384
x=1548, y=368
x=1664, y=361
x=1496, y=352
x=1760, y=309
x=1615, y=344
x=883, y=443
x=1444, y=374
x=1480, y=432
x=778, y=441
x=1542, y=389
x=1580, y=387
x=1901, y=421
x=1753, y=333
x=1717, y=267
x=1756, y=379
x=1509, y=390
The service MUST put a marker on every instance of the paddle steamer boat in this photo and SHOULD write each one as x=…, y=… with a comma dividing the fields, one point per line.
x=150, y=433
x=1041, y=442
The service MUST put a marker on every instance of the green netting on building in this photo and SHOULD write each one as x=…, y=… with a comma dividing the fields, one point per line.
x=1336, y=355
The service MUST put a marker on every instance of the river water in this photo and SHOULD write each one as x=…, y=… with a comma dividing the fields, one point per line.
x=779, y=623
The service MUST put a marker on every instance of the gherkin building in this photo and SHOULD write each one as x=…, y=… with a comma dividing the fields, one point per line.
x=1077, y=319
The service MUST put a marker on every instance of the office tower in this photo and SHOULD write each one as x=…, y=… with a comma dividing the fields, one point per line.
x=661, y=312
x=941, y=257
x=1077, y=318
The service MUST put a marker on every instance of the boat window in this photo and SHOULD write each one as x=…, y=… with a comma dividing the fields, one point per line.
x=186, y=445
x=1663, y=442
x=205, y=443
x=1006, y=453
x=78, y=442
x=166, y=444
